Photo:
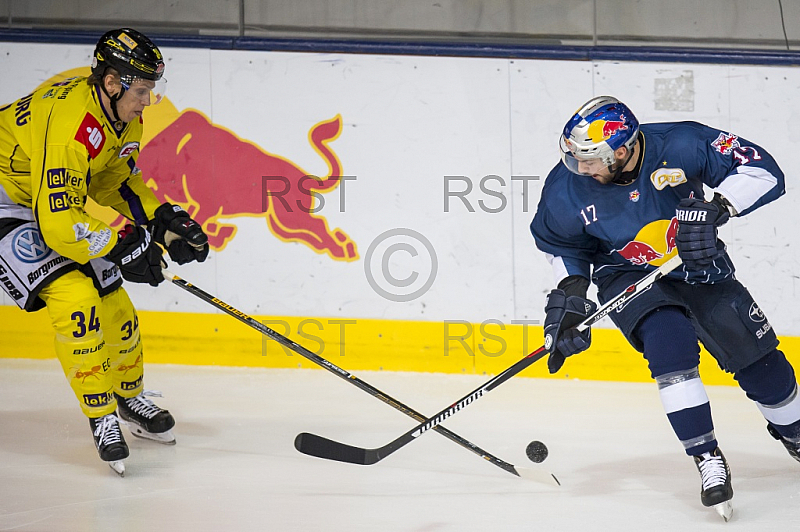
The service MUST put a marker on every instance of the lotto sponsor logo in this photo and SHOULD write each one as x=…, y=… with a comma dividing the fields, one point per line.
x=63, y=177
x=128, y=386
x=90, y=134
x=97, y=399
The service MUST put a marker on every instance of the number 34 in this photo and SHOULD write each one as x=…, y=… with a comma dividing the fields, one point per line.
x=93, y=323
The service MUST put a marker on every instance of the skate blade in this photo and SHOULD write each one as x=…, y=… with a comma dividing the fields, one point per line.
x=724, y=509
x=117, y=466
x=167, y=438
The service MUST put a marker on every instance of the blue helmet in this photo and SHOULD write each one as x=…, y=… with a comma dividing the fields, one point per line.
x=598, y=128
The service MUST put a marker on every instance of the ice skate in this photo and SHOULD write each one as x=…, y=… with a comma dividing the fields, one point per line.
x=145, y=419
x=792, y=447
x=109, y=441
x=715, y=475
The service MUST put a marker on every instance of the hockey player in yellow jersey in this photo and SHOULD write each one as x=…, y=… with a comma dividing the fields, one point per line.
x=59, y=145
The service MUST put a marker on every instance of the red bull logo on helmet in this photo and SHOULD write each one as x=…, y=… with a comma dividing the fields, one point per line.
x=654, y=244
x=601, y=130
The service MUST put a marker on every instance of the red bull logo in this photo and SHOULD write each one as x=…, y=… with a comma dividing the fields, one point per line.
x=601, y=130
x=214, y=174
x=726, y=143
x=654, y=244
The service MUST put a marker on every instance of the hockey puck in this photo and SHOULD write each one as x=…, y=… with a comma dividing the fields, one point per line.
x=536, y=451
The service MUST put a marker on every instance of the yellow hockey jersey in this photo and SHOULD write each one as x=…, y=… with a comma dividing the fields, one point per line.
x=58, y=145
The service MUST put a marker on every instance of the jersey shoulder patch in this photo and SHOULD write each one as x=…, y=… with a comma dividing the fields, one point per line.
x=90, y=133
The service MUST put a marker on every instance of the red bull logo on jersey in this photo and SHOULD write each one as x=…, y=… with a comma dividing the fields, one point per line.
x=725, y=143
x=654, y=244
x=601, y=130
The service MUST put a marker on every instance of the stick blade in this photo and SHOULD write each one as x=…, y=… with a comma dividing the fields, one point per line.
x=314, y=445
x=538, y=475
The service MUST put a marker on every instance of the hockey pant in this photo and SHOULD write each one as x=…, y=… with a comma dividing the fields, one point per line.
x=97, y=341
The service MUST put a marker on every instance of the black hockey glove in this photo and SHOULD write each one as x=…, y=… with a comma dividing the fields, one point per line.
x=183, y=238
x=697, y=240
x=562, y=314
x=137, y=256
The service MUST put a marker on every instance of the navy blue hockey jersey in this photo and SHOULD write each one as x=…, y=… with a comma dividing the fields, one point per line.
x=595, y=230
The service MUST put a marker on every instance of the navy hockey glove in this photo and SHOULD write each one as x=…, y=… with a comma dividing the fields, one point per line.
x=183, y=238
x=138, y=258
x=562, y=314
x=697, y=240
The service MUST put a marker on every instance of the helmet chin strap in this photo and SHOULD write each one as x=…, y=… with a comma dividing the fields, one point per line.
x=114, y=99
x=619, y=177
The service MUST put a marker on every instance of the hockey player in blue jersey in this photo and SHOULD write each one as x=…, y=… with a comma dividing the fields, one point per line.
x=625, y=199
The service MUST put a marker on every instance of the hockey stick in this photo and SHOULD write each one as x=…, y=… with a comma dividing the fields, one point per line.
x=332, y=450
x=531, y=474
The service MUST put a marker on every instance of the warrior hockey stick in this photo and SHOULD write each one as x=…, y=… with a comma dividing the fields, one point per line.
x=530, y=474
x=332, y=450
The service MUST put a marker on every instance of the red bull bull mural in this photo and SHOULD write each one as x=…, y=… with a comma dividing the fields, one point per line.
x=214, y=174
x=654, y=243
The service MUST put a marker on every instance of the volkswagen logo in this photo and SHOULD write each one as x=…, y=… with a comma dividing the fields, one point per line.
x=28, y=245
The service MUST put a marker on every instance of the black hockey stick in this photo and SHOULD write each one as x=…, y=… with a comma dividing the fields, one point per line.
x=332, y=450
x=531, y=474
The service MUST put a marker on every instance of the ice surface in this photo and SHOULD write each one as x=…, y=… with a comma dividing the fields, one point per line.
x=234, y=467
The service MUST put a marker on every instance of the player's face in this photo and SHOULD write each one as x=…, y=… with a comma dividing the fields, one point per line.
x=595, y=168
x=135, y=99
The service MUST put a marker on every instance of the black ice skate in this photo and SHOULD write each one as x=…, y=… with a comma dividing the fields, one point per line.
x=145, y=419
x=110, y=444
x=792, y=447
x=715, y=475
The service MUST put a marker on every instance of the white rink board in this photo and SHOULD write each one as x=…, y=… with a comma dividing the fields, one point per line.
x=410, y=121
